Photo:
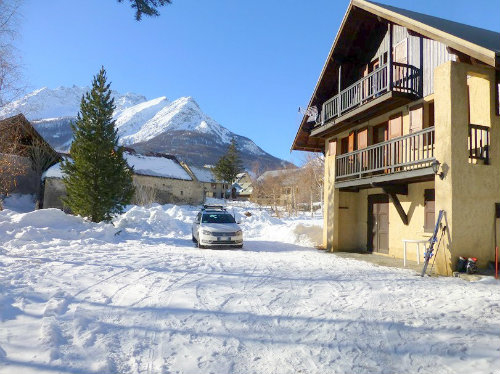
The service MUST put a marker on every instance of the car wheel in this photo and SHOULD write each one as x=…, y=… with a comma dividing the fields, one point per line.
x=200, y=246
x=193, y=239
x=239, y=246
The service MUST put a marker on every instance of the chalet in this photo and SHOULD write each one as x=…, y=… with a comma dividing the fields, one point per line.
x=242, y=187
x=409, y=125
x=22, y=146
x=158, y=178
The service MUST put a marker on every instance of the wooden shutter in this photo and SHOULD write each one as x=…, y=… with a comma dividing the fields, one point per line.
x=416, y=118
x=396, y=126
x=351, y=142
x=362, y=138
x=332, y=147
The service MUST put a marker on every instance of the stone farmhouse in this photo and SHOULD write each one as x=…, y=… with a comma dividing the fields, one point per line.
x=158, y=178
x=409, y=125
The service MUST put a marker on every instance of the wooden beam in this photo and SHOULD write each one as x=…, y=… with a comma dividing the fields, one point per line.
x=397, y=204
x=400, y=189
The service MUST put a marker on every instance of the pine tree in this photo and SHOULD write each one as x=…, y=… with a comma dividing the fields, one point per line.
x=98, y=180
x=229, y=165
x=147, y=7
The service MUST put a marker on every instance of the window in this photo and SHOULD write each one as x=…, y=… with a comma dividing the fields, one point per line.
x=344, y=142
x=182, y=193
x=218, y=218
x=430, y=116
x=429, y=216
x=213, y=186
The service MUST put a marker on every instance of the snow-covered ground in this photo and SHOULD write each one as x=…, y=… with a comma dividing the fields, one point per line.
x=138, y=297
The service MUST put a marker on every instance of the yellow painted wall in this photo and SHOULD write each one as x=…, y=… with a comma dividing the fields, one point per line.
x=353, y=221
x=468, y=191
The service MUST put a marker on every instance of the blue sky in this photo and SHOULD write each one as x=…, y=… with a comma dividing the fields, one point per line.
x=249, y=64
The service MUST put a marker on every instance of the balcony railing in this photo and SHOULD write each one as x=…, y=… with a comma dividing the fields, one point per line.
x=408, y=152
x=405, y=78
x=479, y=143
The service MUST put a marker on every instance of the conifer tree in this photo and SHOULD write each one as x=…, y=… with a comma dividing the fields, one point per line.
x=229, y=165
x=98, y=180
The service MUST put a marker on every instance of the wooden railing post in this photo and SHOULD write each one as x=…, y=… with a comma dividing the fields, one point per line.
x=393, y=156
x=389, y=60
x=339, y=101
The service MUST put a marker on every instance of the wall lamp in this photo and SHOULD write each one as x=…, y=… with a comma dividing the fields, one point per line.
x=435, y=168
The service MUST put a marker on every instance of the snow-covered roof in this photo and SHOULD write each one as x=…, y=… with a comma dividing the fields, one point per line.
x=203, y=174
x=243, y=189
x=164, y=166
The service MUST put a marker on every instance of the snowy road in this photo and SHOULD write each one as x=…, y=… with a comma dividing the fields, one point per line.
x=76, y=298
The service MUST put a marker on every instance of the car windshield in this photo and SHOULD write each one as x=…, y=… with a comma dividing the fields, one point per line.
x=217, y=218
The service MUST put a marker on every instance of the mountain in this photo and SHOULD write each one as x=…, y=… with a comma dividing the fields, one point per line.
x=179, y=127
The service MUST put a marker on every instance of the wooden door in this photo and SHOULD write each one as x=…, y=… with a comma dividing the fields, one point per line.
x=378, y=223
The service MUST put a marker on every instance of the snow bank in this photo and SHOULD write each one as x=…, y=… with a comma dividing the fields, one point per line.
x=51, y=227
x=170, y=221
x=47, y=227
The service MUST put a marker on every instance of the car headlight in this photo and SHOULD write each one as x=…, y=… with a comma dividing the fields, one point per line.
x=239, y=232
x=206, y=232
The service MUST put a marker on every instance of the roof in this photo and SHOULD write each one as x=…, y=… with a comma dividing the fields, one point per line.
x=481, y=44
x=157, y=165
x=203, y=174
x=22, y=127
x=243, y=189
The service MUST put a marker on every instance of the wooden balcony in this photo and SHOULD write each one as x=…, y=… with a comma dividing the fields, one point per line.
x=366, y=96
x=399, y=160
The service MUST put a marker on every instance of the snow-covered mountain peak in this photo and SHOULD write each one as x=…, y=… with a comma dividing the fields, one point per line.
x=60, y=102
x=183, y=114
x=179, y=127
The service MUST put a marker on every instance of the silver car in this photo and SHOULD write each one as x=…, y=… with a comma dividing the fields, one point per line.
x=215, y=227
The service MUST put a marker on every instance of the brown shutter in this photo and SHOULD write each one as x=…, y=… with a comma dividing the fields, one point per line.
x=363, y=143
x=416, y=118
x=351, y=142
x=362, y=138
x=332, y=147
x=396, y=126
